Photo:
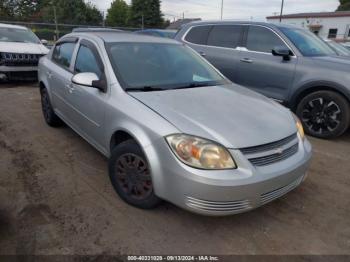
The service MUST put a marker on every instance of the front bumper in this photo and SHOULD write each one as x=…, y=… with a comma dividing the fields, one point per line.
x=225, y=192
x=18, y=73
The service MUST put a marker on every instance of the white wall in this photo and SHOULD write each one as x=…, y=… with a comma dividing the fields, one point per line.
x=341, y=23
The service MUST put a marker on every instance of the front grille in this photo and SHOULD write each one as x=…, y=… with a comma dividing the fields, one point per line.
x=222, y=206
x=270, y=196
x=270, y=159
x=273, y=152
x=15, y=59
x=270, y=146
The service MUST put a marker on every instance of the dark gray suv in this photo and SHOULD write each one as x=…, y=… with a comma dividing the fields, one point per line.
x=286, y=63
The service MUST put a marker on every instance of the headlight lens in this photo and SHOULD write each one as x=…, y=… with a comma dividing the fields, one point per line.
x=299, y=127
x=200, y=153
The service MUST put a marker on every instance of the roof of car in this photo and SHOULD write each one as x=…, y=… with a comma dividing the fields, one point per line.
x=13, y=26
x=111, y=37
x=228, y=22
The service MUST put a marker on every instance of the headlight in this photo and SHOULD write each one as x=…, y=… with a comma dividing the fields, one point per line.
x=299, y=126
x=200, y=153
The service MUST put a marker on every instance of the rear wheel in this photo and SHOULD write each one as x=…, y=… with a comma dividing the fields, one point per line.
x=49, y=115
x=324, y=114
x=130, y=175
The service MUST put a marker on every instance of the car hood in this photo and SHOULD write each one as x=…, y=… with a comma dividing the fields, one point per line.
x=23, y=48
x=230, y=115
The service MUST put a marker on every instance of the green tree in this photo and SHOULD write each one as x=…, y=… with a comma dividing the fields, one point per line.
x=118, y=13
x=148, y=11
x=71, y=12
x=344, y=5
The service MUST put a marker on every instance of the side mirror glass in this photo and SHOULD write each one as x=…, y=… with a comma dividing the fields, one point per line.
x=282, y=51
x=89, y=80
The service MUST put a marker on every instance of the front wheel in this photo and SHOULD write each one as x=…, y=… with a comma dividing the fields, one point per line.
x=130, y=175
x=324, y=114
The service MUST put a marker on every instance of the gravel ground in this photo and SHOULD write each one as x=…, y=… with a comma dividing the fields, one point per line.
x=56, y=198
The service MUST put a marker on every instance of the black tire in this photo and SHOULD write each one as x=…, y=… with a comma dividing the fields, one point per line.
x=324, y=114
x=49, y=115
x=131, y=176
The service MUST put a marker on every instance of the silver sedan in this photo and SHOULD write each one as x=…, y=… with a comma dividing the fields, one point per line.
x=172, y=126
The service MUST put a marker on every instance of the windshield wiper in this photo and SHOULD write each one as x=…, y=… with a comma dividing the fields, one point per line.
x=194, y=85
x=144, y=89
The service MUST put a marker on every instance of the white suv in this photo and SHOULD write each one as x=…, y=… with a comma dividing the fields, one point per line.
x=20, y=51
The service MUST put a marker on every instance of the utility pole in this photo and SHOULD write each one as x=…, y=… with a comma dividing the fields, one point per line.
x=183, y=16
x=281, y=11
x=103, y=19
x=56, y=23
x=222, y=9
x=143, y=22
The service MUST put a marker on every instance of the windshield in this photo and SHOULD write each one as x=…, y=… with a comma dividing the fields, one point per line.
x=307, y=42
x=18, y=35
x=341, y=50
x=163, y=66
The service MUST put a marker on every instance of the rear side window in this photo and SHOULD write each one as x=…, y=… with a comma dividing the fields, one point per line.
x=198, y=35
x=87, y=62
x=62, y=54
x=225, y=36
x=261, y=39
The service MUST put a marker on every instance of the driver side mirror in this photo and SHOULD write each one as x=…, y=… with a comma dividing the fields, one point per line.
x=89, y=80
x=282, y=51
x=44, y=42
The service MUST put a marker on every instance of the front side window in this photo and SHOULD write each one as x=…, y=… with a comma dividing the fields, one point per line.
x=261, y=39
x=225, y=36
x=198, y=35
x=158, y=65
x=62, y=54
x=332, y=33
x=307, y=43
x=18, y=36
x=86, y=62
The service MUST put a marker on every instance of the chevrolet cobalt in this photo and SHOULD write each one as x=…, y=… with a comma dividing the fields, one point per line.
x=172, y=126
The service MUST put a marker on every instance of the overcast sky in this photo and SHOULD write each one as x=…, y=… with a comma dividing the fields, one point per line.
x=234, y=9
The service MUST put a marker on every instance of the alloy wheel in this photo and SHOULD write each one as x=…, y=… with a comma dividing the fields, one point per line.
x=321, y=115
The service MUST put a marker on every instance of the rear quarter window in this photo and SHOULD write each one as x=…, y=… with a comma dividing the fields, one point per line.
x=198, y=35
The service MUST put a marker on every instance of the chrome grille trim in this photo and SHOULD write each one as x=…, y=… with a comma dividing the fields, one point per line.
x=270, y=146
x=270, y=159
x=270, y=196
x=222, y=206
x=17, y=59
x=271, y=153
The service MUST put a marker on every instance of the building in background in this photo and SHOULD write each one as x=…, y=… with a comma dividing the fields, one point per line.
x=332, y=25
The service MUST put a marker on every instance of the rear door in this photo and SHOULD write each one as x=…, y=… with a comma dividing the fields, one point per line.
x=261, y=71
x=59, y=75
x=219, y=45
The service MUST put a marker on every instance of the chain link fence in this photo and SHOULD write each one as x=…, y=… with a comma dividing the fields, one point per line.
x=51, y=31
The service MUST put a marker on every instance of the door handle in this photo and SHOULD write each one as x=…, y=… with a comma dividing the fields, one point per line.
x=49, y=74
x=247, y=60
x=70, y=88
x=203, y=54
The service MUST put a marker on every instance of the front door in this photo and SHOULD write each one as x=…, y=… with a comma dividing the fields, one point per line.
x=87, y=104
x=259, y=70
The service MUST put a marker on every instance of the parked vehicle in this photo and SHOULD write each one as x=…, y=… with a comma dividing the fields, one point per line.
x=20, y=51
x=172, y=126
x=158, y=32
x=347, y=45
x=286, y=63
x=338, y=48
